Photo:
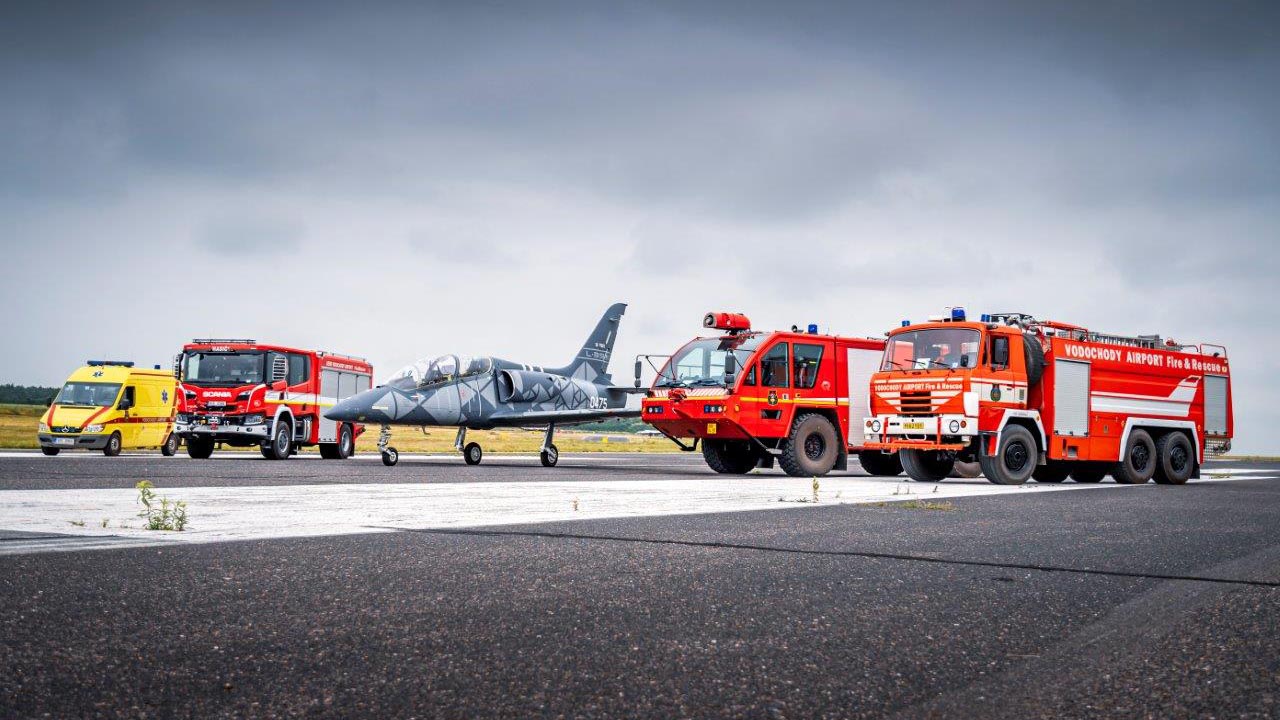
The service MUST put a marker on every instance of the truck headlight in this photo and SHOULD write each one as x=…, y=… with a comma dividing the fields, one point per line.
x=92, y=428
x=875, y=426
x=44, y=428
x=256, y=419
x=954, y=426
x=182, y=418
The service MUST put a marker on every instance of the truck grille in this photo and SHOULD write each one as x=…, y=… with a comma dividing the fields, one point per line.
x=917, y=403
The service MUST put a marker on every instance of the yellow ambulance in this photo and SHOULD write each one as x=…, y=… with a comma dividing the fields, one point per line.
x=111, y=406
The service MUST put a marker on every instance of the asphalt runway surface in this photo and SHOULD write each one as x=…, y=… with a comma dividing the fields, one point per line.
x=1102, y=601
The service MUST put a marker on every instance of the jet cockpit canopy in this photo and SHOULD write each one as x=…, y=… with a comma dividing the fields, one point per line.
x=442, y=369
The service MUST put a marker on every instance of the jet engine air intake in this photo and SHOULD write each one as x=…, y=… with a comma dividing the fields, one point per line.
x=528, y=386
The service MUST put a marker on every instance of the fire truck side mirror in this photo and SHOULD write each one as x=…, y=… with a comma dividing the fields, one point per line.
x=730, y=369
x=638, y=369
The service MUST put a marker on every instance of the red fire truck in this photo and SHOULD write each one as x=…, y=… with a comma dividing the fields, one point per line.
x=243, y=393
x=1029, y=398
x=751, y=398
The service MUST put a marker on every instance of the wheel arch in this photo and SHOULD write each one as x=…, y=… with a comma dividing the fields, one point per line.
x=1159, y=427
x=1030, y=420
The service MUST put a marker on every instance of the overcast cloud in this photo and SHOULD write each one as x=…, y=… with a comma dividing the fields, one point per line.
x=398, y=180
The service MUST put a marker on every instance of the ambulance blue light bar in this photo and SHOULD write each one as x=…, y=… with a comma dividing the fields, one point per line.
x=103, y=363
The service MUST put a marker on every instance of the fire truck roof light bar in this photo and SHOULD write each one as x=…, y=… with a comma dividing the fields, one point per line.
x=228, y=341
x=326, y=353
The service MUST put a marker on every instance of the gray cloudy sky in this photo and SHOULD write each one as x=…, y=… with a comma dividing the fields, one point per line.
x=404, y=179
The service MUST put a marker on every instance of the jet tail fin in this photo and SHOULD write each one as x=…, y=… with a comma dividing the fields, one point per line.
x=592, y=361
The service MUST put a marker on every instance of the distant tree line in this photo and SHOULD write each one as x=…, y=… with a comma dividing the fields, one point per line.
x=618, y=425
x=26, y=394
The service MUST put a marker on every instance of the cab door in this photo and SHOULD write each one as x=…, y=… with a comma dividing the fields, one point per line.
x=766, y=391
x=1005, y=381
x=126, y=412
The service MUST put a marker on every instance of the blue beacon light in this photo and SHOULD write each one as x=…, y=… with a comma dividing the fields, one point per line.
x=957, y=314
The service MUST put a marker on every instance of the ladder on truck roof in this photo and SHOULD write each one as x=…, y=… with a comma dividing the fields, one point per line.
x=1075, y=332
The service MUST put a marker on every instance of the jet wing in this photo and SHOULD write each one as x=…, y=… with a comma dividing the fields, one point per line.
x=559, y=417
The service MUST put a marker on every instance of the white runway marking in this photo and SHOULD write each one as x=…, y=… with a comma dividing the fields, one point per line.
x=246, y=513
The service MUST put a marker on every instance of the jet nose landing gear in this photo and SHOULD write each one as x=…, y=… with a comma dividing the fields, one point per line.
x=389, y=455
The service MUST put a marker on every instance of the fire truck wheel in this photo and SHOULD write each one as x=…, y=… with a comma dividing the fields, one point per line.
x=729, y=457
x=390, y=457
x=1015, y=457
x=968, y=470
x=200, y=448
x=1088, y=474
x=927, y=465
x=1052, y=472
x=50, y=451
x=346, y=442
x=550, y=456
x=1175, y=459
x=281, y=445
x=170, y=446
x=1138, y=463
x=112, y=448
x=472, y=453
x=812, y=447
x=880, y=464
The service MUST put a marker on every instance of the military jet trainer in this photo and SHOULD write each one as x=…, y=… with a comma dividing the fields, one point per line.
x=481, y=393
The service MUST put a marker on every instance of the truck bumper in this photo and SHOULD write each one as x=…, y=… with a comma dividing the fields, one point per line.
x=930, y=432
x=73, y=442
x=241, y=433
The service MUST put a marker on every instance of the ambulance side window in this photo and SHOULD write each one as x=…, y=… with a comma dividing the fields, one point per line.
x=128, y=399
x=298, y=369
x=999, y=357
x=773, y=367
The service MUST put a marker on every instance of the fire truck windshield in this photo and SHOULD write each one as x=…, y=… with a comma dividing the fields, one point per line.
x=88, y=394
x=245, y=368
x=701, y=362
x=950, y=348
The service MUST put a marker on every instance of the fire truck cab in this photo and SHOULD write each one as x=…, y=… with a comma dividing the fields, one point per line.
x=751, y=398
x=243, y=393
x=1047, y=400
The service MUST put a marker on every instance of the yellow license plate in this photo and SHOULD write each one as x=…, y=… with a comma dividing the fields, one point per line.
x=913, y=426
x=711, y=428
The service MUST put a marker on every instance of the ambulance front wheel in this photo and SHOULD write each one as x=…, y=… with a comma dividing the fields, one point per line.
x=390, y=457
x=550, y=456
x=49, y=451
x=927, y=465
x=1015, y=458
x=112, y=448
x=170, y=446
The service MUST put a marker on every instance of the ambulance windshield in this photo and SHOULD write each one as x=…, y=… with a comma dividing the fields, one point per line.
x=223, y=368
x=701, y=362
x=88, y=394
x=951, y=348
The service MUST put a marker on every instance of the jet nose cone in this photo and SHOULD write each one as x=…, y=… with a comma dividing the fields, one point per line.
x=358, y=408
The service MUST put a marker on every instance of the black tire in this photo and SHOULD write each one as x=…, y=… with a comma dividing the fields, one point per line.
x=550, y=456
x=1015, y=457
x=880, y=464
x=390, y=457
x=1034, y=356
x=730, y=457
x=967, y=470
x=1138, y=463
x=1088, y=474
x=1175, y=459
x=113, y=446
x=329, y=451
x=346, y=442
x=472, y=453
x=927, y=465
x=170, y=446
x=280, y=447
x=1054, y=471
x=199, y=448
x=50, y=451
x=811, y=448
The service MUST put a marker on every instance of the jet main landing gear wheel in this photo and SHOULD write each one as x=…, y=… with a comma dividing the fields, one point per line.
x=472, y=453
x=390, y=456
x=549, y=456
